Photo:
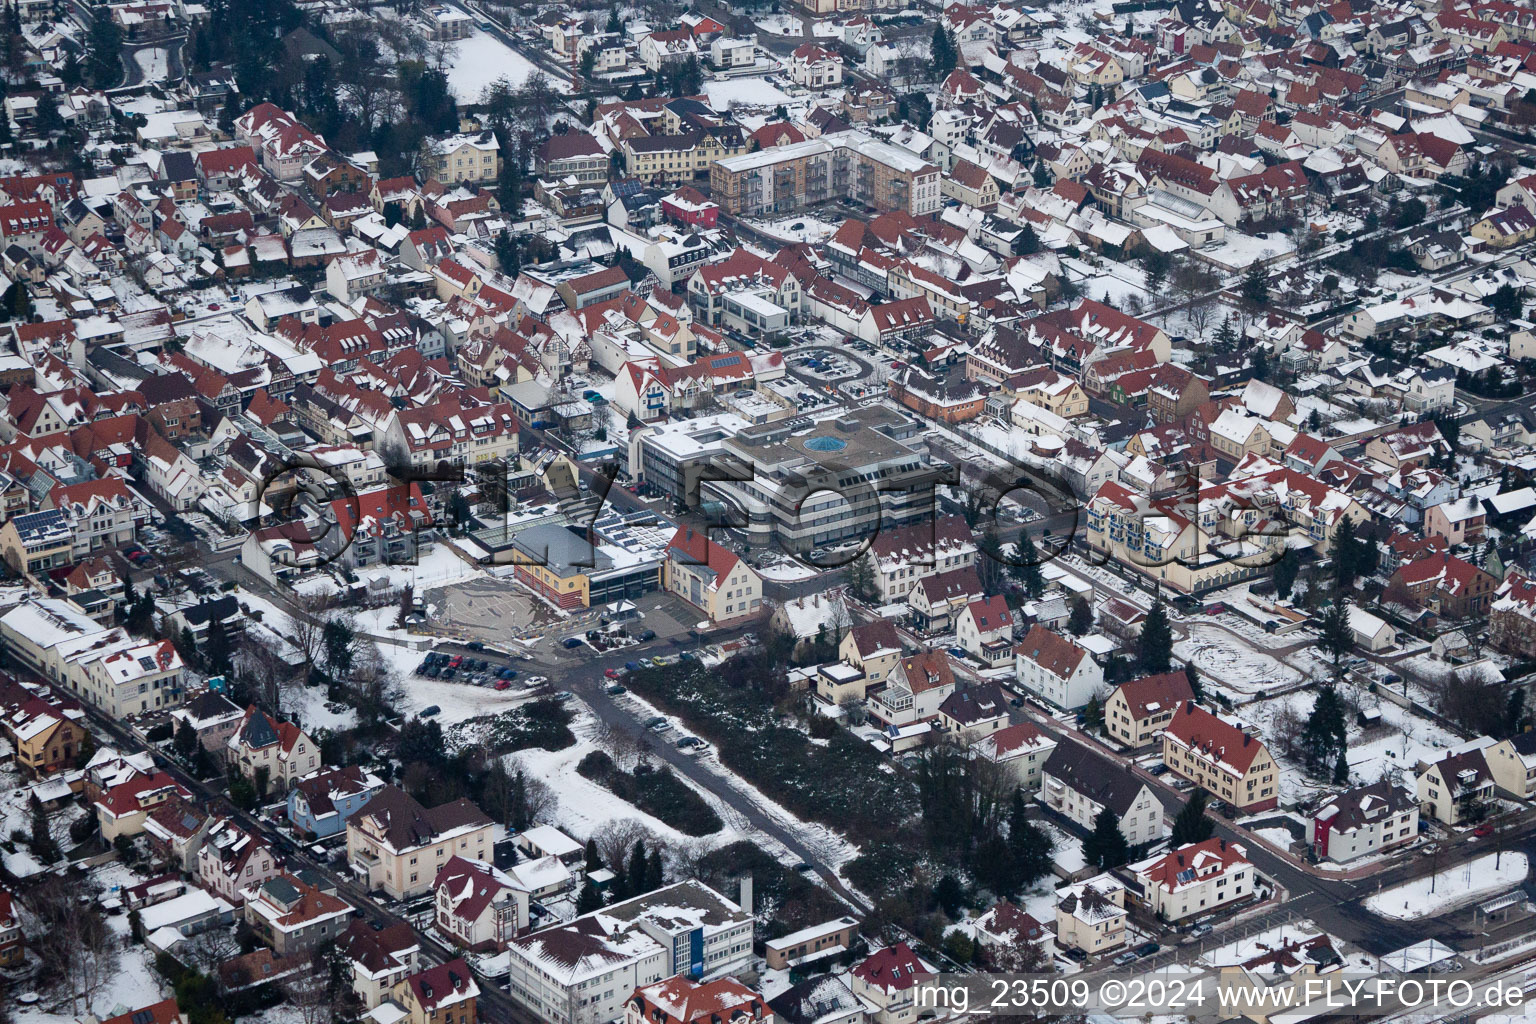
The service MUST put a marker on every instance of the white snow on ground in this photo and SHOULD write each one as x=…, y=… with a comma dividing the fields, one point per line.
x=481, y=59
x=832, y=850
x=459, y=701
x=309, y=703
x=788, y=571
x=1454, y=887
x=152, y=63
x=1221, y=656
x=747, y=91
x=1067, y=854
x=779, y=24
x=130, y=983
x=584, y=807
x=1281, y=837
x=797, y=229
x=435, y=568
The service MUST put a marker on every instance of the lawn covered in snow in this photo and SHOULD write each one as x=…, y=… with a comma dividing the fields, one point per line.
x=481, y=59
x=1454, y=887
x=753, y=92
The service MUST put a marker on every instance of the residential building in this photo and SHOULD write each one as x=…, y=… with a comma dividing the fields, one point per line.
x=1021, y=749
x=320, y=803
x=1196, y=879
x=829, y=938
x=445, y=994
x=378, y=958
x=1055, y=669
x=1455, y=788
x=682, y=1000
x=711, y=578
x=1137, y=711
x=272, y=755
x=887, y=981
x=1362, y=822
x=397, y=845
x=466, y=158
x=1079, y=784
x=477, y=906
x=231, y=861
x=1229, y=762
x=1091, y=915
x=292, y=914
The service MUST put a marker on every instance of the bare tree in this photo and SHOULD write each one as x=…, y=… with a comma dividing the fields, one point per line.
x=310, y=992
x=73, y=939
x=616, y=838
x=306, y=623
x=853, y=709
x=207, y=950
x=539, y=798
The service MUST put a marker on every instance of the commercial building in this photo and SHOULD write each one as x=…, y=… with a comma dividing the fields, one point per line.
x=842, y=165
x=812, y=483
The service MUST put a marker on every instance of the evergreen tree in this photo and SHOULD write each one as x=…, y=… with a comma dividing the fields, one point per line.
x=990, y=564
x=1514, y=711
x=590, y=899
x=41, y=839
x=1105, y=847
x=104, y=46
x=655, y=876
x=185, y=741
x=1324, y=737
x=1335, y=636
x=1285, y=572
x=636, y=874
x=216, y=653
x=1027, y=567
x=862, y=575
x=594, y=858
x=1029, y=846
x=1093, y=714
x=614, y=24
x=1156, y=640
x=1254, y=290
x=1192, y=826
x=1345, y=553
x=943, y=51
x=1341, y=770
x=506, y=253
x=1081, y=619
x=1196, y=687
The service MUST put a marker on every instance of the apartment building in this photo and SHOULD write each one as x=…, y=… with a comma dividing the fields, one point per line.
x=842, y=165
x=1078, y=785
x=117, y=673
x=1021, y=750
x=1363, y=821
x=378, y=958
x=397, y=845
x=478, y=906
x=445, y=994
x=1055, y=669
x=583, y=972
x=1455, y=788
x=472, y=158
x=1195, y=879
x=1138, y=710
x=1230, y=763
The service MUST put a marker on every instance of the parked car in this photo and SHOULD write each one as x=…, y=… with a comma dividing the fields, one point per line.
x=632, y=666
x=646, y=636
x=1158, y=769
x=1074, y=954
x=1124, y=958
x=448, y=674
x=456, y=661
x=1198, y=930
x=502, y=684
x=658, y=724
x=475, y=645
x=1215, y=609
x=615, y=689
x=1147, y=949
x=429, y=711
x=611, y=673
x=571, y=642
x=1484, y=830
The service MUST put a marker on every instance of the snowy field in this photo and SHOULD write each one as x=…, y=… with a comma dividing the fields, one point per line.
x=482, y=59
x=751, y=92
x=779, y=24
x=1224, y=658
x=152, y=63
x=1453, y=888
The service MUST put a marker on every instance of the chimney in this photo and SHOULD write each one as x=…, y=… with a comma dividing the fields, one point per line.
x=746, y=893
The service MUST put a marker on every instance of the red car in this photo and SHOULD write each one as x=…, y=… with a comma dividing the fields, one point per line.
x=1484, y=830
x=456, y=661
x=611, y=673
x=503, y=684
